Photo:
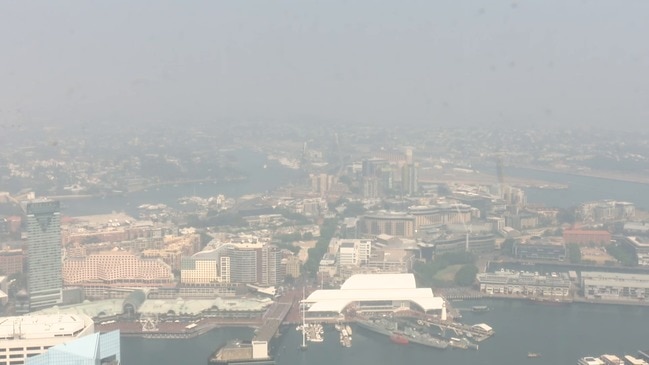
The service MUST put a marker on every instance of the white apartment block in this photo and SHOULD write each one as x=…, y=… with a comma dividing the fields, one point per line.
x=355, y=252
x=205, y=271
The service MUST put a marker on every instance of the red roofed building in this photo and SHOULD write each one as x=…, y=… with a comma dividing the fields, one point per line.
x=586, y=237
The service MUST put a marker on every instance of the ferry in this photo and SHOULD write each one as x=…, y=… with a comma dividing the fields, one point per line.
x=533, y=355
x=480, y=308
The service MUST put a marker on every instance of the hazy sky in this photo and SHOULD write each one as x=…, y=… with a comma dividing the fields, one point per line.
x=489, y=62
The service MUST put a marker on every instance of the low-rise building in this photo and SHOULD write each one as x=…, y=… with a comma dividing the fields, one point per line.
x=541, y=248
x=11, y=261
x=586, y=237
x=374, y=293
x=22, y=337
x=615, y=286
x=524, y=283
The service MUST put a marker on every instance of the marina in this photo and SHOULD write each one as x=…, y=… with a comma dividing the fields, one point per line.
x=345, y=332
x=313, y=332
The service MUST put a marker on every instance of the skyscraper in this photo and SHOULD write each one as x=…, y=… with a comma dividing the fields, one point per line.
x=44, y=281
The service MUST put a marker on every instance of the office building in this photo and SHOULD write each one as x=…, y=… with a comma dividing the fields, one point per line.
x=390, y=223
x=354, y=252
x=639, y=245
x=410, y=179
x=243, y=262
x=95, y=349
x=44, y=281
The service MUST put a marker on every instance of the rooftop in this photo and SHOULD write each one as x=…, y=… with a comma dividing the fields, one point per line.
x=374, y=287
x=42, y=326
x=96, y=309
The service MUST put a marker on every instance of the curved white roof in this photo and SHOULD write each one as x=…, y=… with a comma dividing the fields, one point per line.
x=373, y=287
x=337, y=300
x=380, y=281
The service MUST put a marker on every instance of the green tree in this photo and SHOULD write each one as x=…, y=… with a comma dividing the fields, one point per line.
x=327, y=231
x=354, y=209
x=623, y=254
x=507, y=247
x=566, y=215
x=466, y=275
x=574, y=253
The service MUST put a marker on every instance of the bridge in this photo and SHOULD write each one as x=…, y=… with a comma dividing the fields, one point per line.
x=272, y=319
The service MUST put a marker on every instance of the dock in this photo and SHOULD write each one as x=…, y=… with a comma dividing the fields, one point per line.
x=272, y=321
x=255, y=351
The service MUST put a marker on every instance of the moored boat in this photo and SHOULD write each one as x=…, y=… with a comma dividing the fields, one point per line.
x=480, y=308
x=399, y=339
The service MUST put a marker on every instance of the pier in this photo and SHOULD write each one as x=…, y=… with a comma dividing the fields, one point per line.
x=272, y=321
x=257, y=350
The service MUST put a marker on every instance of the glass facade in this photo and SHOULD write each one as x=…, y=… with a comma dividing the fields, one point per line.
x=95, y=349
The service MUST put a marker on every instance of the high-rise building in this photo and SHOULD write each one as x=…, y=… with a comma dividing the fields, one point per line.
x=243, y=263
x=410, y=179
x=44, y=281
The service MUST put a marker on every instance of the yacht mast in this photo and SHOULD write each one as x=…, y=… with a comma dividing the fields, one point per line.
x=303, y=321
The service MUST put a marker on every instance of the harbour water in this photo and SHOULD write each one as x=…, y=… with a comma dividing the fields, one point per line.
x=580, y=189
x=560, y=334
x=250, y=163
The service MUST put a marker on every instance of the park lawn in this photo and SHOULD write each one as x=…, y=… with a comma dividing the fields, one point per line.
x=448, y=274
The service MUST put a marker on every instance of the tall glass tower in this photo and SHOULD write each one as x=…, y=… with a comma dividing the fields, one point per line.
x=44, y=281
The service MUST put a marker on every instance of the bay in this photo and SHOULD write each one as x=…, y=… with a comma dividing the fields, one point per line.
x=580, y=189
x=250, y=163
x=139, y=351
x=561, y=334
